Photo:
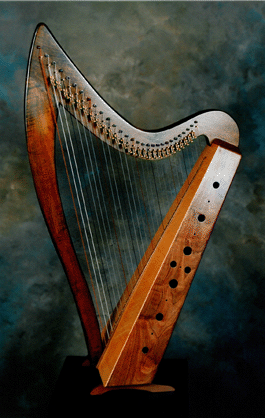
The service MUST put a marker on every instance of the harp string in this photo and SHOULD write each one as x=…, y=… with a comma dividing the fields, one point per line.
x=80, y=197
x=138, y=192
x=144, y=205
x=130, y=192
x=116, y=197
x=110, y=190
x=101, y=229
x=109, y=162
x=173, y=177
x=64, y=160
x=106, y=161
x=133, y=195
x=148, y=191
x=101, y=202
x=87, y=231
x=157, y=196
x=98, y=183
x=120, y=165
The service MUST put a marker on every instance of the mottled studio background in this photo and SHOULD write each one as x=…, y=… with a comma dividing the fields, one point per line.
x=155, y=63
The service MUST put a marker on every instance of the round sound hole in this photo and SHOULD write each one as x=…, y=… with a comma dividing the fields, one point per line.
x=173, y=283
x=187, y=269
x=173, y=264
x=201, y=218
x=159, y=316
x=145, y=350
x=187, y=250
x=216, y=185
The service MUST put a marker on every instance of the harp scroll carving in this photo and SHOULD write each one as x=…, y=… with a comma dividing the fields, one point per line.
x=130, y=240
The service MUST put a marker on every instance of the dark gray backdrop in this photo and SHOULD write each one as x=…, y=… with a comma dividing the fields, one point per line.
x=155, y=63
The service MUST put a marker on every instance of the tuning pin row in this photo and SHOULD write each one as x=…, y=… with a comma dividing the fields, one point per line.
x=94, y=116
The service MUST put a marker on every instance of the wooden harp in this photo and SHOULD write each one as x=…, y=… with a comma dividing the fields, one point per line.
x=137, y=239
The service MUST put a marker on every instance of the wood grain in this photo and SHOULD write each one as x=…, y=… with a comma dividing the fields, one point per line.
x=143, y=332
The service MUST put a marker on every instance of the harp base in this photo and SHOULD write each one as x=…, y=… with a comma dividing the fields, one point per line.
x=77, y=379
x=99, y=390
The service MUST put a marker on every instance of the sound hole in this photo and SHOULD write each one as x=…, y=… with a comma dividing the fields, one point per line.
x=187, y=250
x=173, y=264
x=173, y=283
x=187, y=269
x=145, y=350
x=216, y=185
x=159, y=316
x=201, y=218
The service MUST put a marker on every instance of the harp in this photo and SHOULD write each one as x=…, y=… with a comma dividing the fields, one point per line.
x=129, y=239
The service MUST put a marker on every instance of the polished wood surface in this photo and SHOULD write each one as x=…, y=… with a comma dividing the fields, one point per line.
x=153, y=388
x=146, y=323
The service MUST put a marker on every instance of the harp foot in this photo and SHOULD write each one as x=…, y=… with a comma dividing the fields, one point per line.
x=99, y=390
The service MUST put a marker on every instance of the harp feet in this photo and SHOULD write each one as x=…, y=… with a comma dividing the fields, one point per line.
x=99, y=390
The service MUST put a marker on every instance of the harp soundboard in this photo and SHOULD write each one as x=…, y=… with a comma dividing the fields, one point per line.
x=130, y=240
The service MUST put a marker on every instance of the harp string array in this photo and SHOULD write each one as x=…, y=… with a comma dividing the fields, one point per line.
x=102, y=207
x=97, y=189
x=85, y=231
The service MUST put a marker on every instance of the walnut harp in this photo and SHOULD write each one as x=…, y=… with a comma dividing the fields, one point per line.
x=129, y=237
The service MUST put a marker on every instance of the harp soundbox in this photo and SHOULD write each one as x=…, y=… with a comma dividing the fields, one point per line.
x=129, y=237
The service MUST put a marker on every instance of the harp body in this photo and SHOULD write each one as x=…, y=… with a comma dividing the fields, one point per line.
x=144, y=324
